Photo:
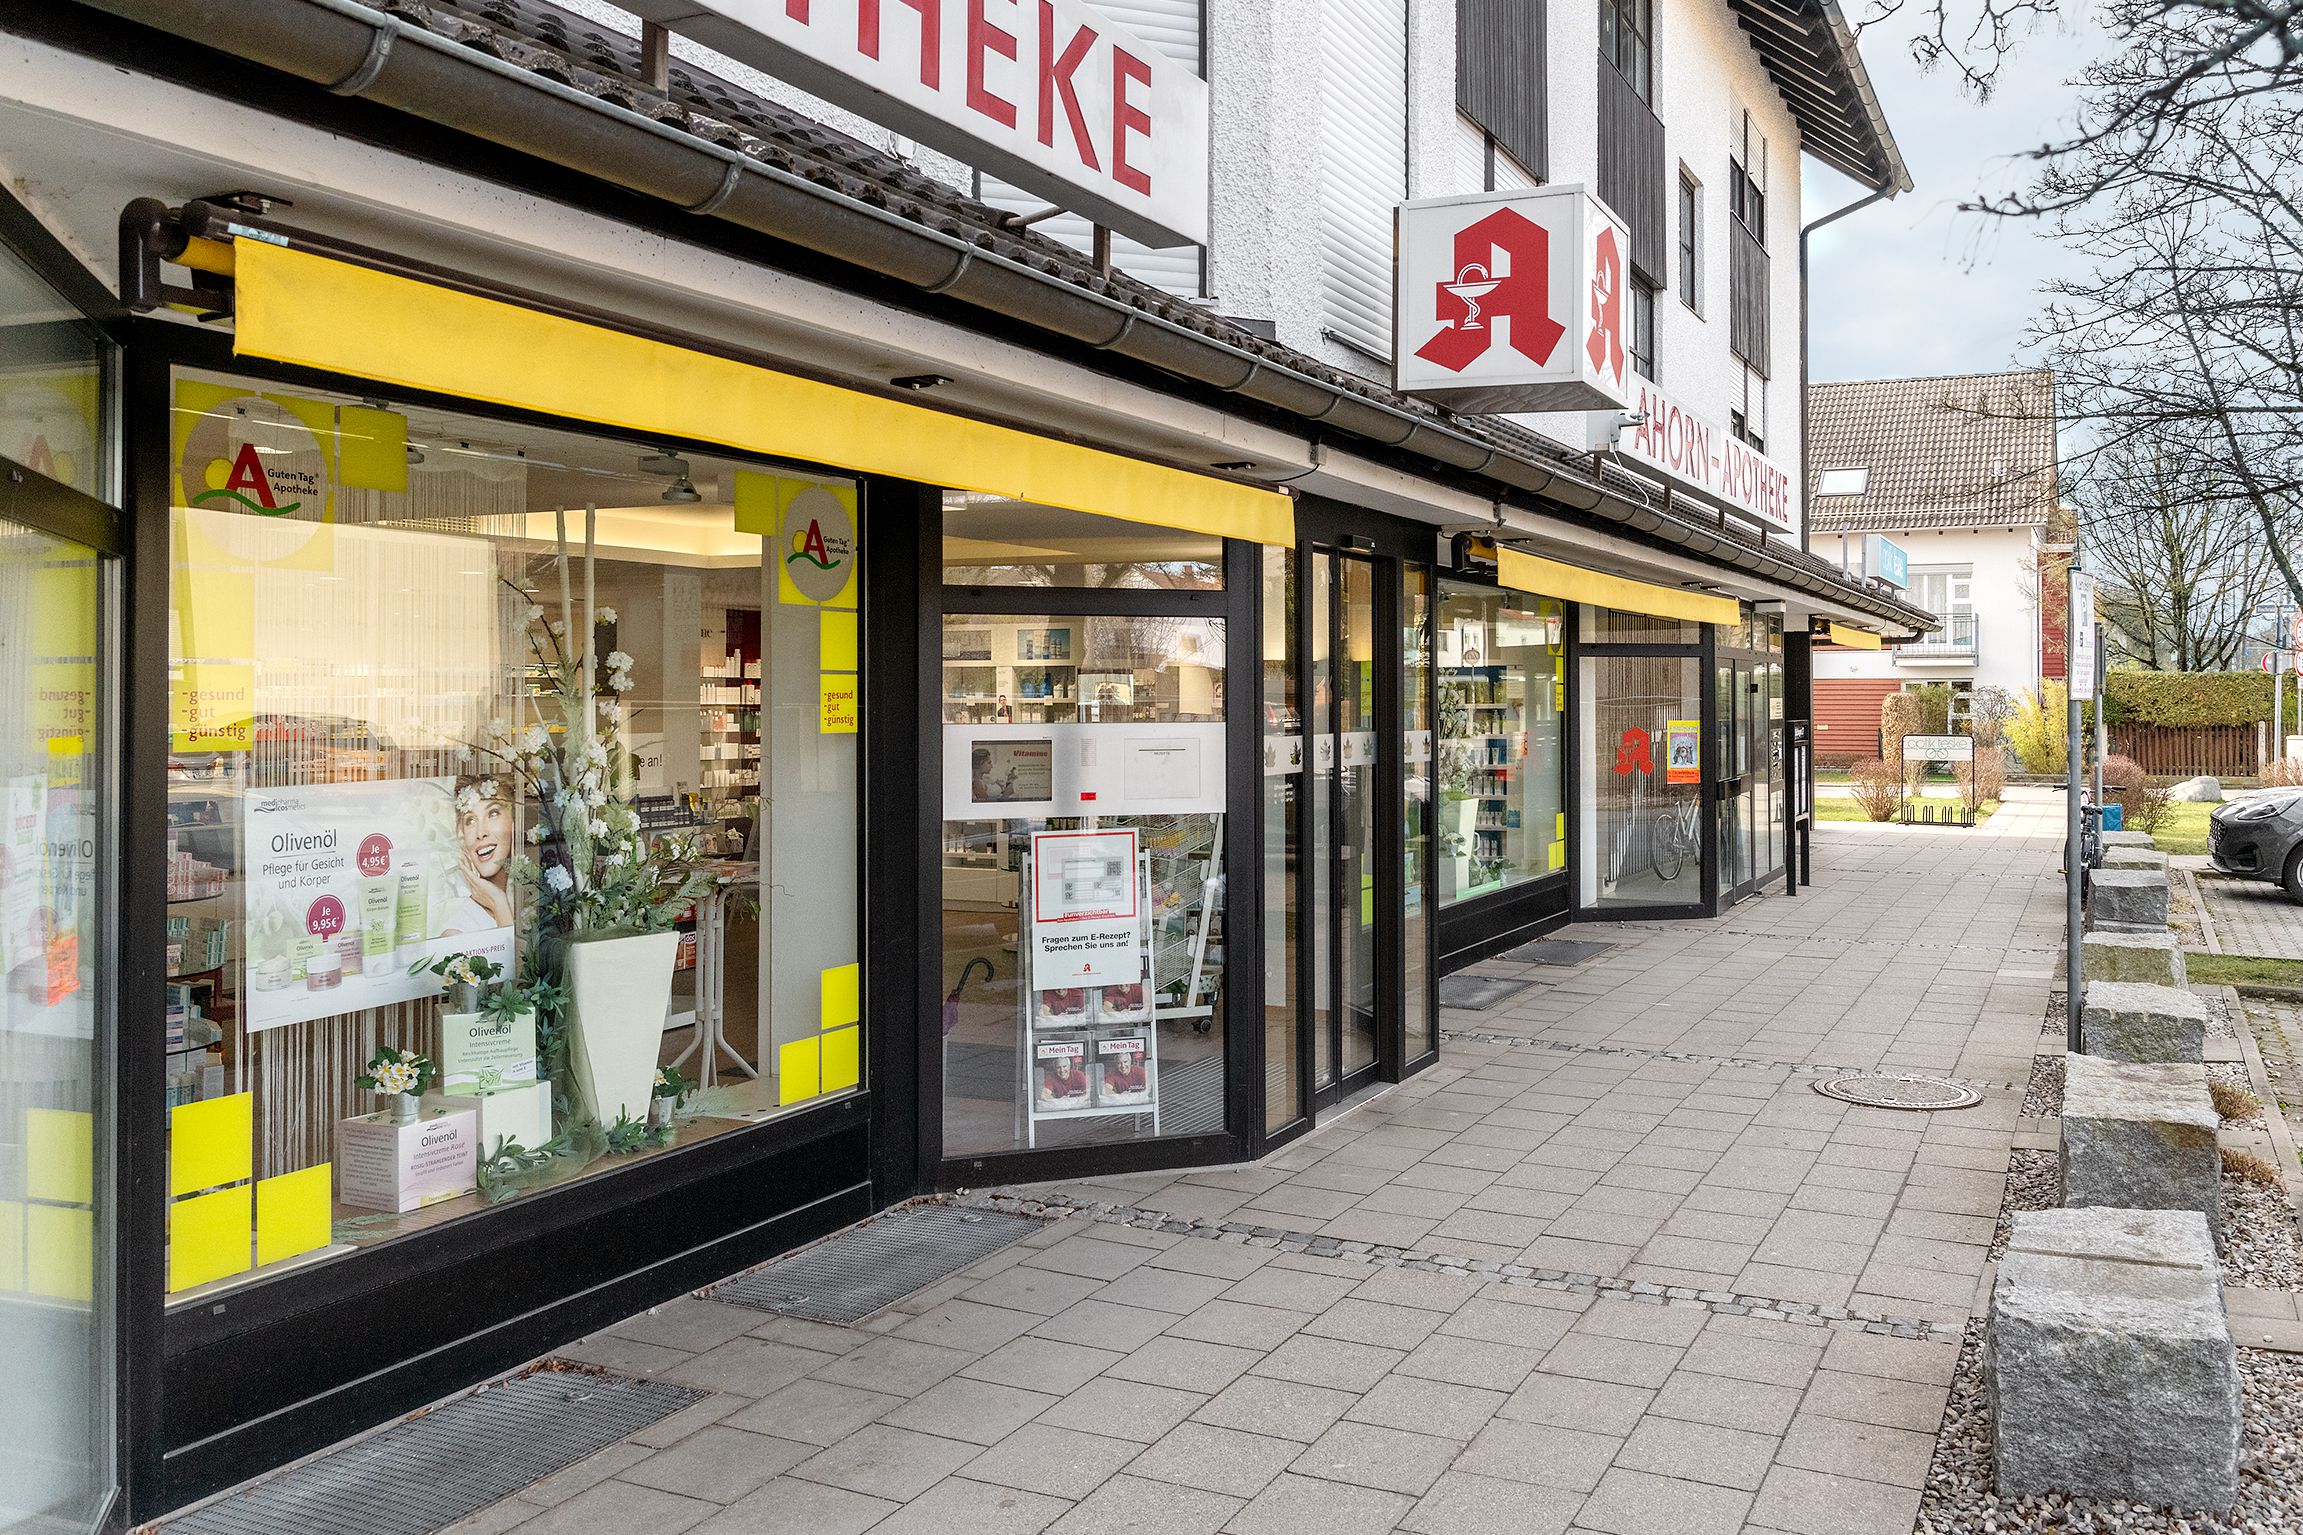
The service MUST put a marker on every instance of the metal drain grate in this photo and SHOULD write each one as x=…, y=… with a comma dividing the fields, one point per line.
x=868, y=1268
x=429, y=1472
x=1479, y=993
x=1556, y=951
x=1876, y=1091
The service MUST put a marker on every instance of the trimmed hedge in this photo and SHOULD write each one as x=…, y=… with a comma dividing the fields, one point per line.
x=2189, y=699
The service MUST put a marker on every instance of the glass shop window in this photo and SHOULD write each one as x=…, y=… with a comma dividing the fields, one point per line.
x=497, y=752
x=1502, y=688
x=993, y=541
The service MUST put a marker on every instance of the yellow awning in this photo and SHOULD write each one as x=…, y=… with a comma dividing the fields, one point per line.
x=1549, y=578
x=1854, y=639
x=295, y=307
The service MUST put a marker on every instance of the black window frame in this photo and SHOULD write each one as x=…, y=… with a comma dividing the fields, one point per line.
x=1627, y=41
x=1642, y=328
x=1689, y=245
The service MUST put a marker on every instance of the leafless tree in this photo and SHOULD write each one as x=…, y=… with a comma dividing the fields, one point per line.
x=2178, y=551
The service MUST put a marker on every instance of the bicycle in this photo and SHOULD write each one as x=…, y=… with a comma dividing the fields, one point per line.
x=1673, y=837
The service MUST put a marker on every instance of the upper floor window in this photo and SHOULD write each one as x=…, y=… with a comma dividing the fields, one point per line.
x=1690, y=242
x=1627, y=40
x=1643, y=331
x=1747, y=181
x=1740, y=425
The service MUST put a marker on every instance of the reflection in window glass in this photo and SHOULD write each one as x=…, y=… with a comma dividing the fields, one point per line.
x=363, y=602
x=1084, y=936
x=1415, y=728
x=1643, y=833
x=54, y=415
x=1502, y=684
x=992, y=541
x=1608, y=626
x=55, y=1061
x=1283, y=777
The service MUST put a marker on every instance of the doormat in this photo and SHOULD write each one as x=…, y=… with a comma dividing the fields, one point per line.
x=427, y=1473
x=1557, y=951
x=865, y=1269
x=1479, y=993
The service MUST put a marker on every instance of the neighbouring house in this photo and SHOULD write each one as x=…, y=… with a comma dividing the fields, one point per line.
x=1945, y=488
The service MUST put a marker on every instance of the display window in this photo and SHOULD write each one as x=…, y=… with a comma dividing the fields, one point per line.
x=993, y=541
x=1643, y=828
x=1083, y=915
x=1499, y=813
x=512, y=810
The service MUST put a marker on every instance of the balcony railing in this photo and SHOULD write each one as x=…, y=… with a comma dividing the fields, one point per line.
x=1955, y=638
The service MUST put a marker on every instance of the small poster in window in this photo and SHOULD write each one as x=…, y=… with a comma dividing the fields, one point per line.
x=1043, y=644
x=1130, y=1003
x=967, y=644
x=1123, y=1071
x=1683, y=751
x=1060, y=1075
x=1063, y=1007
x=1109, y=688
x=1003, y=772
x=1087, y=924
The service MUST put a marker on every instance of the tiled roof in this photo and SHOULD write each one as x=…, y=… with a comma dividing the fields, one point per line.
x=1972, y=451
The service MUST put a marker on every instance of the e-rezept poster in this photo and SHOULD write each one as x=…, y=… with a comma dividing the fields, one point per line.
x=350, y=884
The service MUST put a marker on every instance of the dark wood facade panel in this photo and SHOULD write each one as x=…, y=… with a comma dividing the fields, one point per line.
x=1499, y=74
x=1632, y=166
x=1749, y=312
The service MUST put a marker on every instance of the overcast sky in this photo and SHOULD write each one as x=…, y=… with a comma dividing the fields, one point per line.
x=1913, y=286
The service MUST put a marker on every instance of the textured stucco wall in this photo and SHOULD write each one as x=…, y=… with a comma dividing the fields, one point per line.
x=2006, y=598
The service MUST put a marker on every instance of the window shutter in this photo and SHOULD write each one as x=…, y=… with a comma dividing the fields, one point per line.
x=1499, y=74
x=1175, y=28
x=1363, y=171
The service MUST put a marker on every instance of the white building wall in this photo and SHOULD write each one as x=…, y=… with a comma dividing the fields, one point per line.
x=2006, y=603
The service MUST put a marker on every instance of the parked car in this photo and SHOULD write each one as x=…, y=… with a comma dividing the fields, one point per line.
x=2260, y=837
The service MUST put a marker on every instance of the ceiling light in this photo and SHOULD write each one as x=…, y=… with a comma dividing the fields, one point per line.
x=919, y=381
x=664, y=461
x=682, y=489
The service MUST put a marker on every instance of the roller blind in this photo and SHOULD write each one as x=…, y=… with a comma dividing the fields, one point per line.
x=1175, y=28
x=1363, y=165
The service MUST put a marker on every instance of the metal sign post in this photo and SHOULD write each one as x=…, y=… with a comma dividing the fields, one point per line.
x=2080, y=642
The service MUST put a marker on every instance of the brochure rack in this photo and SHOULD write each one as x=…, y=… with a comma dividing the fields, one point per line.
x=1092, y=1024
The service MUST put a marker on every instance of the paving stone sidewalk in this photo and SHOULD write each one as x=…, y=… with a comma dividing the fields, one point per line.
x=2251, y=916
x=1612, y=1266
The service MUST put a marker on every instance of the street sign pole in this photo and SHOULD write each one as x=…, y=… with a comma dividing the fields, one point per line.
x=2079, y=669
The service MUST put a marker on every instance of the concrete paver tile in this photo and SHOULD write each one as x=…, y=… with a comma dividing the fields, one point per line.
x=1624, y=1361
x=1462, y=1503
x=1333, y=1362
x=1293, y=1504
x=896, y=1366
x=1256, y=1327
x=1872, y=1399
x=1292, y=1289
x=1699, y=1452
x=1042, y=1364
x=717, y=1464
x=1640, y=1503
x=1423, y=1291
x=1185, y=1364
x=789, y=1506
x=1811, y=1503
x=1088, y=1257
x=969, y=1326
x=884, y=1462
x=615, y=1507
x=1365, y=1321
x=1913, y=1359
x=1371, y=1455
x=1672, y=1326
x=817, y=1412
x=975, y=1411
x=1867, y=1450
x=671, y=1430
x=748, y=1366
x=1128, y=1505
x=1123, y=1409
x=1472, y=1362
x=1727, y=1401
x=1427, y=1406
x=1505, y=1321
x=960, y=1507
x=1058, y=1462
x=1159, y=1289
x=587, y=1473
x=1024, y=1288
x=1284, y=1409
x=1101, y=1324
x=1567, y=1458
x=1225, y=1460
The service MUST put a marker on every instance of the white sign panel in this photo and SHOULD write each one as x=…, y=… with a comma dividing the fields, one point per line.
x=1028, y=772
x=351, y=883
x=2080, y=651
x=1513, y=301
x=1700, y=452
x=1939, y=748
x=1087, y=910
x=1048, y=94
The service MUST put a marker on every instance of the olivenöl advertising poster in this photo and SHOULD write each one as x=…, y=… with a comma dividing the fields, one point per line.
x=350, y=884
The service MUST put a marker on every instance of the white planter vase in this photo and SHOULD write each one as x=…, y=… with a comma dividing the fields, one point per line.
x=618, y=989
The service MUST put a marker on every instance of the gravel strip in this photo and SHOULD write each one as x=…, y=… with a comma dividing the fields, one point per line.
x=2259, y=1245
x=2235, y=1073
x=2043, y=1099
x=2222, y=1013
x=2034, y=1182
x=1958, y=1499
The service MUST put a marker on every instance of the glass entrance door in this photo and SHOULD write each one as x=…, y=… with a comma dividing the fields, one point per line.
x=1347, y=753
x=1749, y=704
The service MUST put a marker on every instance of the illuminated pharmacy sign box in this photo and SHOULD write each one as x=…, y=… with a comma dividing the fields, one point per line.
x=1513, y=301
x=1047, y=94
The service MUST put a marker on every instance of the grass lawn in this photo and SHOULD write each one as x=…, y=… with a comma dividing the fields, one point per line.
x=2241, y=970
x=1837, y=809
x=2184, y=829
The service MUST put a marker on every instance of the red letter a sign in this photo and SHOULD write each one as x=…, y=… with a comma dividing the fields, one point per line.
x=1502, y=272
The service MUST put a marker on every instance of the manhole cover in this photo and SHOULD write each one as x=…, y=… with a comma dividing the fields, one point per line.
x=1479, y=993
x=1557, y=951
x=1884, y=1092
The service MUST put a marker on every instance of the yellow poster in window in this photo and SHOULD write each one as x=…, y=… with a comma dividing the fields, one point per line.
x=838, y=697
